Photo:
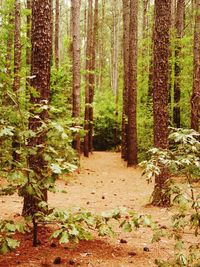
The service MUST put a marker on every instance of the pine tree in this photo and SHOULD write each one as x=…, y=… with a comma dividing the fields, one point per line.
x=41, y=36
x=160, y=91
x=132, y=92
x=195, y=98
x=126, y=21
x=76, y=67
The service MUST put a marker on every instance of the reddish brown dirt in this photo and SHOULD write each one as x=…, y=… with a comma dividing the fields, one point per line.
x=103, y=183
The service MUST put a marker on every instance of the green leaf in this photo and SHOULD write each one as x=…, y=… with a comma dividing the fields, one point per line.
x=12, y=243
x=56, y=233
x=56, y=168
x=10, y=227
x=4, y=248
x=64, y=238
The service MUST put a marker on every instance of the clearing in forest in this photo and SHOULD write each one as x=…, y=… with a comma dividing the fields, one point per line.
x=103, y=183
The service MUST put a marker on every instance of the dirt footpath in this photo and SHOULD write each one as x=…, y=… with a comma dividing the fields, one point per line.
x=103, y=183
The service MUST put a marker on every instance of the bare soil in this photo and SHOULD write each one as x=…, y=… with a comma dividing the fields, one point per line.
x=103, y=183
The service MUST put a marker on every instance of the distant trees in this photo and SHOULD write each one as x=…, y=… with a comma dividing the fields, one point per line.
x=103, y=50
x=160, y=91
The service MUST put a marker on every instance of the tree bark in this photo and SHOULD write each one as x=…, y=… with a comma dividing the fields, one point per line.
x=76, y=68
x=195, y=98
x=92, y=74
x=28, y=48
x=17, y=67
x=179, y=25
x=57, y=33
x=40, y=70
x=87, y=77
x=160, y=92
x=126, y=21
x=132, y=94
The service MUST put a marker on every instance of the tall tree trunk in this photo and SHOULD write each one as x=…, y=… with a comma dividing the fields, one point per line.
x=9, y=46
x=57, y=33
x=76, y=67
x=17, y=67
x=101, y=46
x=115, y=47
x=179, y=25
x=88, y=85
x=132, y=94
x=17, y=47
x=172, y=57
x=195, y=99
x=126, y=21
x=92, y=74
x=160, y=92
x=40, y=70
x=28, y=48
x=145, y=18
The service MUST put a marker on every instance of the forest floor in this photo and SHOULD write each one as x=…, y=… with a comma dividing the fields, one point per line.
x=103, y=183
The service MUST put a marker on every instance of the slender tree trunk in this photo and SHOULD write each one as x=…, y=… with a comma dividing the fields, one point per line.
x=40, y=70
x=17, y=47
x=132, y=94
x=160, y=92
x=57, y=33
x=145, y=18
x=76, y=68
x=17, y=67
x=101, y=49
x=179, y=25
x=28, y=48
x=88, y=85
x=115, y=47
x=9, y=46
x=195, y=98
x=126, y=21
x=92, y=75
x=172, y=61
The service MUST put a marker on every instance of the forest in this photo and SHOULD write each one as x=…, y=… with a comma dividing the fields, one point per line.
x=100, y=133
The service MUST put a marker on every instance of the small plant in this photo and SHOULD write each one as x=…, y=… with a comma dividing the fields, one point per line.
x=7, y=231
x=183, y=161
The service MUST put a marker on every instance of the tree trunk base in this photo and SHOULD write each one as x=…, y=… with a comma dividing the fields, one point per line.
x=160, y=198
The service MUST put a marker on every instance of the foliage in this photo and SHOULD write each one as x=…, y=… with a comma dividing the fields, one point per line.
x=76, y=225
x=106, y=123
x=7, y=230
x=183, y=160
